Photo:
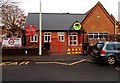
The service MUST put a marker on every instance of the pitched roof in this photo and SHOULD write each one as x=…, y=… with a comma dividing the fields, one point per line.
x=54, y=21
x=89, y=13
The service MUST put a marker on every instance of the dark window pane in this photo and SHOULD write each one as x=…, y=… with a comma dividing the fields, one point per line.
x=105, y=36
x=95, y=36
x=35, y=38
x=45, y=38
x=99, y=46
x=74, y=37
x=48, y=38
x=110, y=47
x=90, y=33
x=100, y=36
x=117, y=46
x=62, y=38
x=48, y=33
x=74, y=42
x=90, y=36
x=32, y=38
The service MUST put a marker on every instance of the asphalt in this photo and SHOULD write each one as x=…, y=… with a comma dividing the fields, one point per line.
x=45, y=57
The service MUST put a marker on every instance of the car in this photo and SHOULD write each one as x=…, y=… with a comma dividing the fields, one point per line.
x=108, y=51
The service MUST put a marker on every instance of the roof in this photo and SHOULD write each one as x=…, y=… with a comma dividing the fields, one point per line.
x=89, y=13
x=54, y=21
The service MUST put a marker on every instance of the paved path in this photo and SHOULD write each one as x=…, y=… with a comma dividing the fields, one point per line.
x=46, y=57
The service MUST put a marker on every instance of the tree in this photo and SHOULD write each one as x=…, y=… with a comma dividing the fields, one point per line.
x=13, y=17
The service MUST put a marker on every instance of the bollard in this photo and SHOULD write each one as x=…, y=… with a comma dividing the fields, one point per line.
x=25, y=51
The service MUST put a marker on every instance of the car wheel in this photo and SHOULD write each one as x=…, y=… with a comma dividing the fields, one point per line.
x=111, y=60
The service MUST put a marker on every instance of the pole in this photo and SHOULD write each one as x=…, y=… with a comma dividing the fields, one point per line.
x=34, y=40
x=115, y=26
x=40, y=36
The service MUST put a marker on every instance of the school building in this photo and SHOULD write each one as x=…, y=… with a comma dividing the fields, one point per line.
x=65, y=33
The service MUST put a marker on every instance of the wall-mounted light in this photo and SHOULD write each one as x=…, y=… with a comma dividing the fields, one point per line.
x=98, y=16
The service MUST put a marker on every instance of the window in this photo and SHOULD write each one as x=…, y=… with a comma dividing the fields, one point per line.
x=100, y=35
x=61, y=36
x=99, y=46
x=117, y=46
x=97, y=35
x=110, y=47
x=90, y=36
x=105, y=35
x=47, y=37
x=72, y=39
x=34, y=38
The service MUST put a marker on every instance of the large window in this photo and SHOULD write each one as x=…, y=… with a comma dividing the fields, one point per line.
x=47, y=37
x=61, y=36
x=34, y=38
x=98, y=35
x=72, y=39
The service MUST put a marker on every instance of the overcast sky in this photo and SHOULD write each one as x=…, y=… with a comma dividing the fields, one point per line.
x=68, y=6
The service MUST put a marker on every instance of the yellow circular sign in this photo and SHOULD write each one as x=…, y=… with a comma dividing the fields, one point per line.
x=77, y=26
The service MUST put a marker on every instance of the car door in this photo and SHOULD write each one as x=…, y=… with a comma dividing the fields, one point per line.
x=117, y=52
x=110, y=49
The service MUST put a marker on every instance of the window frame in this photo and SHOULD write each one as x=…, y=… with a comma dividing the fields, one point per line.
x=93, y=34
x=47, y=34
x=69, y=41
x=61, y=34
x=34, y=38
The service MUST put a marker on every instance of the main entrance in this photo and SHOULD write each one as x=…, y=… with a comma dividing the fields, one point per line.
x=74, y=43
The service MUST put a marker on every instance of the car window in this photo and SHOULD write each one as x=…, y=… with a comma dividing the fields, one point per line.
x=99, y=46
x=110, y=47
x=117, y=46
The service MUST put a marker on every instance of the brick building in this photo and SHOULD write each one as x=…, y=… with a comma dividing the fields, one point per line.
x=99, y=24
x=59, y=32
x=58, y=29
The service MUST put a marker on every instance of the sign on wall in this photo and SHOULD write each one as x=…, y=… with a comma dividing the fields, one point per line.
x=30, y=30
x=11, y=42
x=77, y=26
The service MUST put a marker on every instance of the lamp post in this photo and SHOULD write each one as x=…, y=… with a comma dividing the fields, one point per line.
x=84, y=32
x=40, y=32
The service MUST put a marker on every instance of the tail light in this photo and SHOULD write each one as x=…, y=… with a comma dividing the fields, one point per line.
x=102, y=52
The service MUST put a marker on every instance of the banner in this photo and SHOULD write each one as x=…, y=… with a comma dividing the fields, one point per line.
x=11, y=42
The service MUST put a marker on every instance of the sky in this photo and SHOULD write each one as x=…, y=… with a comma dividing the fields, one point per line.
x=68, y=6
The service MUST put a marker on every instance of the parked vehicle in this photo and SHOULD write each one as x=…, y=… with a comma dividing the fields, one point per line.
x=109, y=51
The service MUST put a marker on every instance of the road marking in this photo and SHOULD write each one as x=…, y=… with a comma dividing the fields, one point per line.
x=68, y=64
x=24, y=63
x=60, y=63
x=76, y=62
x=14, y=63
x=89, y=60
x=117, y=68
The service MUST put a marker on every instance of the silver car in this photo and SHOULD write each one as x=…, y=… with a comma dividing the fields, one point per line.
x=109, y=51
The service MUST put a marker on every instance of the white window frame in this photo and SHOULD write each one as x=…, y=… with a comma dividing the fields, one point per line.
x=47, y=34
x=61, y=34
x=34, y=38
x=72, y=34
x=98, y=33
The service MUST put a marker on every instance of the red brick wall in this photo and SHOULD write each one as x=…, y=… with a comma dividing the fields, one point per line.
x=55, y=46
x=102, y=23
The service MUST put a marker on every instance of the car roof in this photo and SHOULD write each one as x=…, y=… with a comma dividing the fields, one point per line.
x=111, y=42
